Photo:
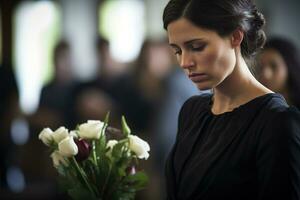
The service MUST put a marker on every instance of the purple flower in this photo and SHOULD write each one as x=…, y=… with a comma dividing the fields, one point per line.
x=84, y=149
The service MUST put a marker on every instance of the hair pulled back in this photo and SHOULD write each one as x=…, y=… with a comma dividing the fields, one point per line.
x=224, y=17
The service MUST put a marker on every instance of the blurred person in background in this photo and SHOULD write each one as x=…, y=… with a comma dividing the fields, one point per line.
x=152, y=68
x=116, y=80
x=120, y=83
x=109, y=69
x=153, y=65
x=92, y=99
x=55, y=96
x=279, y=69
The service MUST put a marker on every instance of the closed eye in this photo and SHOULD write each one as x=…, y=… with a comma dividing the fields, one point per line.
x=197, y=48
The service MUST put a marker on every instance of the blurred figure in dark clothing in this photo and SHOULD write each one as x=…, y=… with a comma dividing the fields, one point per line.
x=279, y=69
x=119, y=83
x=91, y=99
x=152, y=67
x=55, y=96
x=9, y=109
x=112, y=89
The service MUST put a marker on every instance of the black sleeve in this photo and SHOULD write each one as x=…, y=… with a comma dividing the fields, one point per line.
x=278, y=157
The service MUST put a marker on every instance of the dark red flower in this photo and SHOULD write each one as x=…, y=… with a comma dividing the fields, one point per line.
x=84, y=149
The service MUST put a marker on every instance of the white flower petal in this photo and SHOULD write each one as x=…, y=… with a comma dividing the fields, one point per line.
x=46, y=136
x=110, y=144
x=58, y=159
x=139, y=146
x=91, y=129
x=60, y=134
x=67, y=147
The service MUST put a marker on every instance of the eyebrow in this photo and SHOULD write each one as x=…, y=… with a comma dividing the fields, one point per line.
x=187, y=42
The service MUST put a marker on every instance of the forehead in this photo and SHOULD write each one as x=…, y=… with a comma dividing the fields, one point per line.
x=270, y=54
x=183, y=30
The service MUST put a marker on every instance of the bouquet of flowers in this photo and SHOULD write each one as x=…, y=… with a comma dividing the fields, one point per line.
x=94, y=165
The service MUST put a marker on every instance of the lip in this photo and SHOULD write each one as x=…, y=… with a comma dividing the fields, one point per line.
x=198, y=77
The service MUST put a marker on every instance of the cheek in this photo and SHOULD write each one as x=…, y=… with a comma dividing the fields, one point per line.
x=218, y=62
x=207, y=60
x=281, y=76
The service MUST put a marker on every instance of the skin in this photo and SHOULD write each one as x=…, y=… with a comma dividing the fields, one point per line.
x=214, y=62
x=273, y=70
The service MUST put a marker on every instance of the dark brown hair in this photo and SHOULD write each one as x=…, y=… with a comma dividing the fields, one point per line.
x=291, y=56
x=222, y=16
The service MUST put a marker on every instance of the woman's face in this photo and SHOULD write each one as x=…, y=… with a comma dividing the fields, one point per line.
x=207, y=58
x=272, y=70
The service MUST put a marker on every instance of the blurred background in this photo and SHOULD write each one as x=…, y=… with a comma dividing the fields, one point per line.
x=65, y=61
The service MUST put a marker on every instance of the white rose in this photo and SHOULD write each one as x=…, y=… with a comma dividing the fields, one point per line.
x=110, y=144
x=58, y=159
x=46, y=136
x=73, y=134
x=67, y=147
x=91, y=129
x=60, y=134
x=139, y=147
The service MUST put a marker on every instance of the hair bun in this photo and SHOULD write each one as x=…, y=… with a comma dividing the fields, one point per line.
x=258, y=20
x=255, y=37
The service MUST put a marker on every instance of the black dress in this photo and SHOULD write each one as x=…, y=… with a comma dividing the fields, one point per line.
x=250, y=153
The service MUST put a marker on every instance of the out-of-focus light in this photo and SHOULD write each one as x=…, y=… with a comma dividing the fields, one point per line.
x=15, y=179
x=19, y=131
x=122, y=23
x=36, y=33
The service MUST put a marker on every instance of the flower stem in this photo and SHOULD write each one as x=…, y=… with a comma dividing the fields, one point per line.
x=106, y=180
x=94, y=153
x=83, y=175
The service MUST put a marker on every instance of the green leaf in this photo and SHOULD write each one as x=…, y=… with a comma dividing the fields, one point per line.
x=100, y=145
x=125, y=128
x=137, y=181
x=106, y=119
x=61, y=170
x=80, y=193
x=117, y=151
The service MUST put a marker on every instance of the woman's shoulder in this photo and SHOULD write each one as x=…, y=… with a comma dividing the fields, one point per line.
x=280, y=117
x=276, y=106
x=285, y=117
x=277, y=122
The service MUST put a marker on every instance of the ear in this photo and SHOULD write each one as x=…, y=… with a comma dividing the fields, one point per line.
x=237, y=37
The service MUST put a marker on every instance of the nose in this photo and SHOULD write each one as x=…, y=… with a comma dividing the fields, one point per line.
x=186, y=61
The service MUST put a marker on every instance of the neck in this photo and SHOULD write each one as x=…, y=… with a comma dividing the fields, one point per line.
x=237, y=89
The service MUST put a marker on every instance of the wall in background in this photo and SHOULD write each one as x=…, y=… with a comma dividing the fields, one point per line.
x=282, y=18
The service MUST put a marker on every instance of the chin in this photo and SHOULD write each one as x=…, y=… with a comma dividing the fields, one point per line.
x=203, y=86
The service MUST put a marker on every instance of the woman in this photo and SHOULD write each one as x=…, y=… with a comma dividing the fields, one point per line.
x=241, y=142
x=279, y=69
